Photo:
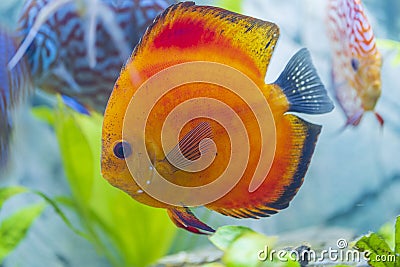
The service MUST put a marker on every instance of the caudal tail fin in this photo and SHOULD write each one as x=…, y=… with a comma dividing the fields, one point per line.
x=15, y=84
x=303, y=87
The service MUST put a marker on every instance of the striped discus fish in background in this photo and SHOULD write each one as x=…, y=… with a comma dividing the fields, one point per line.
x=14, y=85
x=356, y=72
x=72, y=47
x=80, y=47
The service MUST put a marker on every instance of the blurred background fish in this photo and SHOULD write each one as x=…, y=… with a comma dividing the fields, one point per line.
x=14, y=86
x=356, y=69
x=70, y=47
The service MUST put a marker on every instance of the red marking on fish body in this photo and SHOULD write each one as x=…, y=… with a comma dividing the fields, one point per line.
x=184, y=34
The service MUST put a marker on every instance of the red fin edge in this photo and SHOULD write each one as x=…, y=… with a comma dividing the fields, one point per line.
x=185, y=219
x=380, y=119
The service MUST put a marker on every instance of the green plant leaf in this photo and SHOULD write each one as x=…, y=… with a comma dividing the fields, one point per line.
x=287, y=263
x=244, y=251
x=125, y=231
x=391, y=45
x=226, y=235
x=77, y=157
x=8, y=192
x=376, y=248
x=241, y=245
x=397, y=241
x=14, y=228
x=235, y=6
x=60, y=213
x=213, y=264
x=387, y=232
x=44, y=114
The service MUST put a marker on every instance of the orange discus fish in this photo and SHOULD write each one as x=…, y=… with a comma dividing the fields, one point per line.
x=187, y=33
x=357, y=62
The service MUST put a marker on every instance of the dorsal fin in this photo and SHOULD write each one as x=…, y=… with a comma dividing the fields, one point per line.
x=206, y=33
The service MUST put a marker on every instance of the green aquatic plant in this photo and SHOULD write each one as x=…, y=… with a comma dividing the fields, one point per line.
x=14, y=228
x=126, y=232
x=235, y=6
x=382, y=249
x=245, y=247
x=391, y=45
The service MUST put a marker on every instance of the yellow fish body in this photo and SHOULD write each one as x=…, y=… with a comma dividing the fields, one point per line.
x=186, y=33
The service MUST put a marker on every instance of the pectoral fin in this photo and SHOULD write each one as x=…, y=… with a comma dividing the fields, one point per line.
x=191, y=146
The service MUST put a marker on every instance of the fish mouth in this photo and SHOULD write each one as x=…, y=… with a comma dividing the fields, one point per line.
x=376, y=87
x=108, y=168
x=375, y=90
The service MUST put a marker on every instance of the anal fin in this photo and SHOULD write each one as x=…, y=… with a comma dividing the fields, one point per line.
x=184, y=218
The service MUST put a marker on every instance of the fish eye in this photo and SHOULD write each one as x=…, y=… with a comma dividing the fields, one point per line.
x=355, y=64
x=122, y=149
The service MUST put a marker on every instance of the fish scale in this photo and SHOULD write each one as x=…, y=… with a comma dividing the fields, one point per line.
x=58, y=56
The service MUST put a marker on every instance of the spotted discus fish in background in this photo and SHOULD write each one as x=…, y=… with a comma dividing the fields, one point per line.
x=187, y=33
x=356, y=72
x=75, y=48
